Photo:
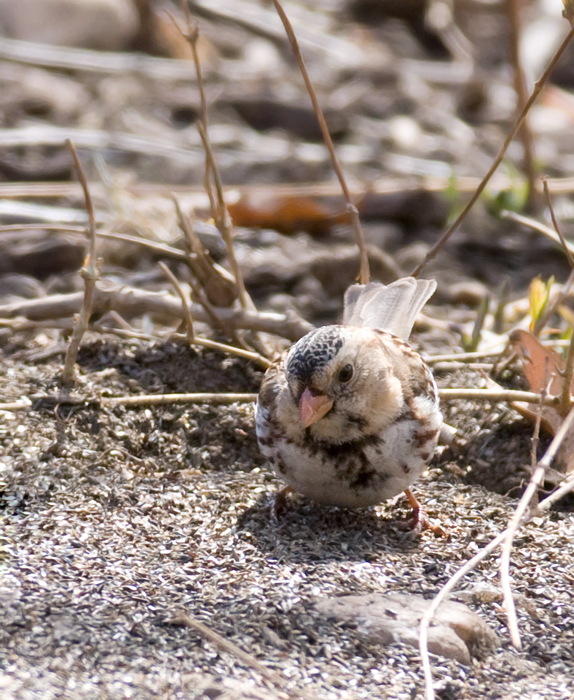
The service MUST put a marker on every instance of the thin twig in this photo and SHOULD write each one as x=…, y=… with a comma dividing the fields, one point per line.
x=460, y=356
x=566, y=487
x=16, y=406
x=387, y=186
x=204, y=342
x=506, y=395
x=143, y=400
x=212, y=175
x=565, y=398
x=161, y=399
x=439, y=598
x=225, y=645
x=90, y=272
x=533, y=486
x=520, y=88
x=223, y=222
x=364, y=273
x=535, y=482
x=184, y=305
x=505, y=582
x=192, y=37
x=565, y=246
x=518, y=123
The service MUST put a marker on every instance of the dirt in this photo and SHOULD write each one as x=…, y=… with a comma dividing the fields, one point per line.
x=118, y=520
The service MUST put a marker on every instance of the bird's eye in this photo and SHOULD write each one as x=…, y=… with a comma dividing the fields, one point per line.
x=345, y=373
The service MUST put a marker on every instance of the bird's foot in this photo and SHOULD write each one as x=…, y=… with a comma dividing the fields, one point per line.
x=419, y=520
x=278, y=504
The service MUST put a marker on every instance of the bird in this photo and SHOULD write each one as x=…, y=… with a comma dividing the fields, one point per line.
x=350, y=414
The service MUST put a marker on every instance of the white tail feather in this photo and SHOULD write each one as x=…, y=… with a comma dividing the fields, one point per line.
x=392, y=307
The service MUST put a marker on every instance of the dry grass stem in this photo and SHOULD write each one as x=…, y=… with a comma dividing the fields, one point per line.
x=162, y=399
x=382, y=186
x=89, y=272
x=213, y=183
x=143, y=400
x=223, y=222
x=565, y=246
x=565, y=397
x=517, y=520
x=460, y=357
x=192, y=37
x=513, y=8
x=364, y=273
x=438, y=599
x=20, y=324
x=225, y=645
x=219, y=285
x=451, y=365
x=496, y=162
x=535, y=483
x=518, y=516
x=506, y=395
x=566, y=487
x=16, y=406
x=505, y=582
x=184, y=304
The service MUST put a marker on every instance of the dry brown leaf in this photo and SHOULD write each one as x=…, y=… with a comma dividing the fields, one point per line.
x=535, y=359
x=285, y=213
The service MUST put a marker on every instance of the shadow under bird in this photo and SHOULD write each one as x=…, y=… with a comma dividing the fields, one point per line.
x=350, y=414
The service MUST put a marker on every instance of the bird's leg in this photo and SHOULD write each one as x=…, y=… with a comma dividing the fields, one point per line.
x=279, y=504
x=419, y=520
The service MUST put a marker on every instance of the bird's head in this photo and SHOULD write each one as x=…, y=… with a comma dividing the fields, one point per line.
x=340, y=378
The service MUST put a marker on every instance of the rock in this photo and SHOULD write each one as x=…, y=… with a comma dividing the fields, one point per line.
x=42, y=257
x=92, y=24
x=455, y=631
x=15, y=286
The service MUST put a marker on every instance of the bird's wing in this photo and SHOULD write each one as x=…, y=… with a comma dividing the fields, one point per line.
x=392, y=307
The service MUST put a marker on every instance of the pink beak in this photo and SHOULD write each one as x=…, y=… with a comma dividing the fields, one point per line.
x=313, y=407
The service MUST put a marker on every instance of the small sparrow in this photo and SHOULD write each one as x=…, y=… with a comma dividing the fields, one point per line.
x=350, y=414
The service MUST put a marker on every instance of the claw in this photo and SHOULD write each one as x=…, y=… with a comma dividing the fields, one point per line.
x=278, y=504
x=419, y=520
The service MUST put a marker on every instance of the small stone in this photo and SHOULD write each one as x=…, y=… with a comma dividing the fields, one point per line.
x=92, y=24
x=455, y=631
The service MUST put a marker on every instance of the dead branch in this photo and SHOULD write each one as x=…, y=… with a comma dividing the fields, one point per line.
x=130, y=302
x=364, y=273
x=90, y=272
x=479, y=190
